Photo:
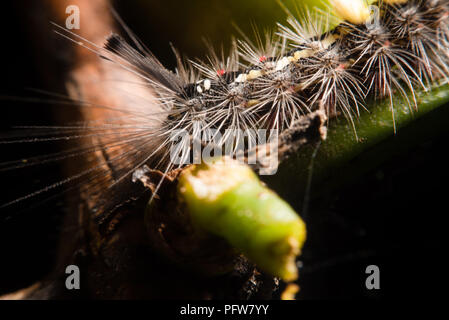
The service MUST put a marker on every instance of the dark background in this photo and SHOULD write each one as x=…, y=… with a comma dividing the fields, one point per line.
x=391, y=217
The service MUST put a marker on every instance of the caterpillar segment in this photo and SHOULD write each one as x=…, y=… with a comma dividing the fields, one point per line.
x=366, y=56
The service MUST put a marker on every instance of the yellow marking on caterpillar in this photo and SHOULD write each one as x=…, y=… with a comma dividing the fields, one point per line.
x=300, y=54
x=307, y=53
x=329, y=40
x=241, y=78
x=285, y=61
x=254, y=74
x=252, y=102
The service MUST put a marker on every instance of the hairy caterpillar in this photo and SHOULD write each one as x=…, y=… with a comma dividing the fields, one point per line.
x=301, y=72
x=270, y=85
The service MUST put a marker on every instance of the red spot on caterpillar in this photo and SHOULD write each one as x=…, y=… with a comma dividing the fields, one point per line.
x=221, y=72
x=387, y=43
x=341, y=66
x=263, y=59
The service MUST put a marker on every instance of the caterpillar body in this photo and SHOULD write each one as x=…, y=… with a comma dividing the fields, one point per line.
x=304, y=73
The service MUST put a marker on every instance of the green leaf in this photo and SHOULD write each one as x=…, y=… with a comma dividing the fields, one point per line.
x=343, y=156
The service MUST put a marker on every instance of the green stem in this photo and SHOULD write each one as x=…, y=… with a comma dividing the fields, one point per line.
x=343, y=157
x=227, y=199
